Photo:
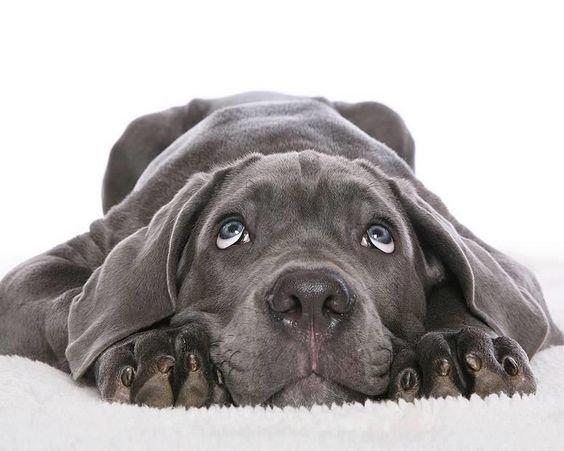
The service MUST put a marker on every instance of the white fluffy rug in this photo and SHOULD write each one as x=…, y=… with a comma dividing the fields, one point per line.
x=41, y=408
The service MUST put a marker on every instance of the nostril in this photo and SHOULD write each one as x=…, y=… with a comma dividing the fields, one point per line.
x=310, y=297
x=286, y=304
x=328, y=307
x=336, y=305
x=291, y=305
x=296, y=305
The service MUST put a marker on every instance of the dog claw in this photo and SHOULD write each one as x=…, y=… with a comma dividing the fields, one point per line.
x=127, y=375
x=165, y=364
x=442, y=367
x=218, y=377
x=193, y=362
x=473, y=362
x=408, y=380
x=510, y=366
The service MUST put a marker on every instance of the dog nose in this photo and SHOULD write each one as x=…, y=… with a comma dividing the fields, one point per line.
x=310, y=299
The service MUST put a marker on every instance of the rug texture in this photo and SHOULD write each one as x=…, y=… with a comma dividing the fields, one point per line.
x=42, y=408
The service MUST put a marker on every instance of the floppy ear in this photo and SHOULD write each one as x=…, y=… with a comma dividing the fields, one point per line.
x=136, y=286
x=381, y=123
x=499, y=291
x=141, y=142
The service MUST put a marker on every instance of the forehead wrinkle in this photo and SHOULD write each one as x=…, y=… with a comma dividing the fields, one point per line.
x=277, y=184
x=332, y=188
x=330, y=185
x=349, y=186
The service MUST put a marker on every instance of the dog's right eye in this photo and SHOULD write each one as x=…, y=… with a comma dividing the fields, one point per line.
x=232, y=232
x=378, y=236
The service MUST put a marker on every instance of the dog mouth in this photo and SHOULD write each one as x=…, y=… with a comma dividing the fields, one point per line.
x=315, y=390
x=305, y=389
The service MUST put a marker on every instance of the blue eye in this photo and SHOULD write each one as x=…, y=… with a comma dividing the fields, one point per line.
x=379, y=237
x=379, y=233
x=231, y=232
x=231, y=229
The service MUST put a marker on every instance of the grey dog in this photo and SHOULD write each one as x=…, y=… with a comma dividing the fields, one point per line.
x=265, y=249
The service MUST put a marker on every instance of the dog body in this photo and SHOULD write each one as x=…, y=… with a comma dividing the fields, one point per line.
x=284, y=244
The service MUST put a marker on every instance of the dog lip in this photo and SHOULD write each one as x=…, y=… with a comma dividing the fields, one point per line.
x=268, y=402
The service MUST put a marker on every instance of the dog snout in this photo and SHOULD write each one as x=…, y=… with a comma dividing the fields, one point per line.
x=310, y=299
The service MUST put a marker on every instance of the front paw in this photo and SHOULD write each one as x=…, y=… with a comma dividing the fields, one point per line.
x=451, y=364
x=161, y=368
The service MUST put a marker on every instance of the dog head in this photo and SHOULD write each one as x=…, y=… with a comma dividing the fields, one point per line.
x=305, y=268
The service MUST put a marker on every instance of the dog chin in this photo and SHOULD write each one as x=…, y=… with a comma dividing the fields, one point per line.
x=312, y=390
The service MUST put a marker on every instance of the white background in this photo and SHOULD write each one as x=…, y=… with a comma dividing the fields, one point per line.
x=480, y=86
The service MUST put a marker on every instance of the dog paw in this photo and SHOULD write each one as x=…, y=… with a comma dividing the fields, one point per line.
x=451, y=364
x=161, y=368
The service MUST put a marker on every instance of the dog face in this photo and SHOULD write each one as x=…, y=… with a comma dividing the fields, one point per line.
x=303, y=268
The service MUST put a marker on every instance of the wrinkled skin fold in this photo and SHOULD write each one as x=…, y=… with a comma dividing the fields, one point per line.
x=304, y=310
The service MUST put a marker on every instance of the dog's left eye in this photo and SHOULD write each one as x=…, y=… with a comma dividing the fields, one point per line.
x=378, y=236
x=232, y=232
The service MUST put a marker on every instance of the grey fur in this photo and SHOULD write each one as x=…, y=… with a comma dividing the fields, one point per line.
x=308, y=176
